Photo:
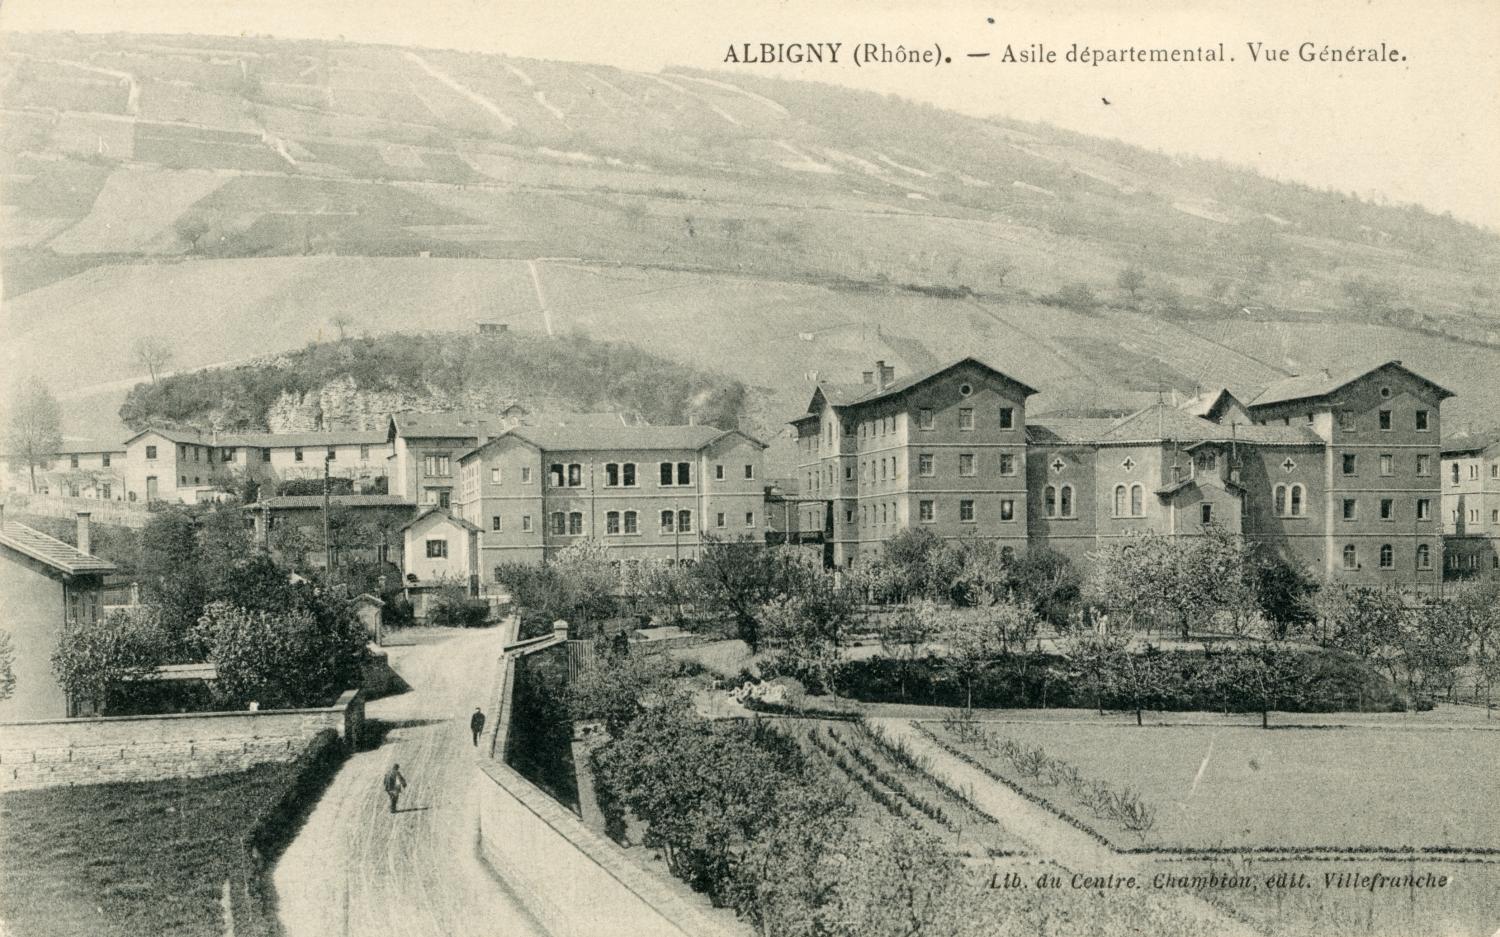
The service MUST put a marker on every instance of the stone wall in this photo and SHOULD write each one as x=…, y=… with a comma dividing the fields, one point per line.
x=47, y=753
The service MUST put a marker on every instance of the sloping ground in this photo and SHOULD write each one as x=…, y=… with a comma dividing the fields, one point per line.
x=134, y=209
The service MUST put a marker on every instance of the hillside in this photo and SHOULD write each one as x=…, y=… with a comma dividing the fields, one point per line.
x=238, y=195
x=354, y=383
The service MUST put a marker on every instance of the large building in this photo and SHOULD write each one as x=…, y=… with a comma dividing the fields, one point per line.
x=1337, y=472
x=645, y=491
x=1471, y=505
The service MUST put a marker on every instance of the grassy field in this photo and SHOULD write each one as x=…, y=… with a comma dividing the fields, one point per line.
x=1289, y=788
x=132, y=859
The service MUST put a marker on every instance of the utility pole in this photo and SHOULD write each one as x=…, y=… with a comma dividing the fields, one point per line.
x=327, y=542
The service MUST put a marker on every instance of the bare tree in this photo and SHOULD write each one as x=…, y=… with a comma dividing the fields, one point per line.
x=191, y=228
x=154, y=353
x=342, y=321
x=35, y=432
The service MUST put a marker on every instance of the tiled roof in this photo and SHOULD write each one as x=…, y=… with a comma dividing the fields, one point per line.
x=585, y=439
x=456, y=424
x=448, y=514
x=1065, y=430
x=1467, y=441
x=50, y=550
x=1203, y=404
x=845, y=395
x=87, y=447
x=593, y=420
x=1160, y=422
x=188, y=436
x=298, y=502
x=329, y=438
x=1323, y=383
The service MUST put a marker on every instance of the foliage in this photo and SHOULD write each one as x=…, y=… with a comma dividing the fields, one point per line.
x=737, y=577
x=1154, y=578
x=661, y=589
x=153, y=353
x=96, y=656
x=589, y=580
x=7, y=666
x=314, y=486
x=620, y=686
x=34, y=431
x=540, y=742
x=302, y=656
x=1049, y=581
x=1284, y=591
x=1364, y=621
x=589, y=374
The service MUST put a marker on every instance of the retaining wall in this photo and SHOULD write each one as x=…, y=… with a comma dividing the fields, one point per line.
x=47, y=753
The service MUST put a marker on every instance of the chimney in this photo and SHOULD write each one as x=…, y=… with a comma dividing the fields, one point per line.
x=887, y=374
x=84, y=542
x=869, y=377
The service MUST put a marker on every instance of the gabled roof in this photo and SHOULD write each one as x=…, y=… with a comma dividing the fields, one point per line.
x=436, y=510
x=1323, y=383
x=1066, y=430
x=457, y=424
x=189, y=436
x=327, y=438
x=848, y=395
x=49, y=550
x=1470, y=442
x=600, y=420
x=88, y=447
x=1208, y=401
x=299, y=502
x=1160, y=423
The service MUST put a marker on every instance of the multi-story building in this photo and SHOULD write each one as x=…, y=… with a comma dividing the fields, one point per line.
x=1337, y=472
x=645, y=491
x=945, y=450
x=424, y=450
x=79, y=469
x=369, y=531
x=1471, y=505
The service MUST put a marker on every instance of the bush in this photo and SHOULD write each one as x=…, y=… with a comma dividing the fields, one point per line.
x=314, y=486
x=463, y=613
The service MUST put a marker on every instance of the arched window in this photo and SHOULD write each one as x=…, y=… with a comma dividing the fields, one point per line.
x=1280, y=500
x=1299, y=506
x=1049, y=500
x=1424, y=556
x=1387, y=556
x=1351, y=557
x=1119, y=501
x=1067, y=501
x=1137, y=501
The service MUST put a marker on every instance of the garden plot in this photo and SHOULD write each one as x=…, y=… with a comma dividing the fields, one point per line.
x=889, y=781
x=1241, y=788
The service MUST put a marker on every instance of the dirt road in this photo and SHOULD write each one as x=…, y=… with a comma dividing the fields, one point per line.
x=354, y=869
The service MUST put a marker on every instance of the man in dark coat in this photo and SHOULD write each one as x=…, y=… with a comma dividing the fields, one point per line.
x=395, y=783
x=476, y=724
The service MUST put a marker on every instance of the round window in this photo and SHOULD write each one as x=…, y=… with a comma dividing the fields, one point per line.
x=965, y=389
x=1385, y=391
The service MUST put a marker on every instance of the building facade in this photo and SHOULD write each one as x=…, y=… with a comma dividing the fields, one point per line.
x=1470, y=477
x=644, y=491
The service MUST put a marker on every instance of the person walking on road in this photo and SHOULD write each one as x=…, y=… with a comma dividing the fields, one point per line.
x=476, y=724
x=394, y=784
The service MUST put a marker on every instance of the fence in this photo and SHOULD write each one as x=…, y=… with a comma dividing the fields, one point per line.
x=118, y=513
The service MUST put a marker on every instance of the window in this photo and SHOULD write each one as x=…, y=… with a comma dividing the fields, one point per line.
x=612, y=522
x=925, y=511
x=1387, y=509
x=106, y=460
x=1007, y=418
x=297, y=456
x=150, y=452
x=632, y=522
x=1422, y=424
x=525, y=474
x=966, y=463
x=749, y=470
x=668, y=523
x=894, y=467
x=1455, y=473
x=434, y=463
x=1424, y=465
x=966, y=511
x=882, y=469
x=1387, y=556
x=1351, y=509
x=1065, y=501
x=685, y=522
x=1008, y=510
x=495, y=474
x=526, y=523
x=1387, y=464
x=364, y=452
x=1424, y=509
x=749, y=518
x=197, y=454
x=1299, y=507
x=559, y=523
x=265, y=455
x=73, y=461
x=719, y=519
x=965, y=390
x=965, y=417
x=331, y=455
x=1351, y=557
x=611, y=474
x=1385, y=419
x=1346, y=421
x=437, y=549
x=104, y=491
x=1120, y=501
x=495, y=522
x=665, y=479
x=1206, y=461
x=1007, y=463
x=1351, y=463
x=924, y=418
x=719, y=472
x=575, y=475
x=1494, y=469
x=849, y=472
x=1494, y=515
x=925, y=465
x=1206, y=514
x=184, y=480
x=1049, y=501
x=1474, y=471
x=575, y=523
x=1137, y=501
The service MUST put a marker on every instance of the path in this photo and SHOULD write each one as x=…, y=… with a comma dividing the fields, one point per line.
x=1047, y=836
x=354, y=869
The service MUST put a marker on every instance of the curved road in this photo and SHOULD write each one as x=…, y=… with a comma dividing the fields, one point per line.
x=354, y=869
